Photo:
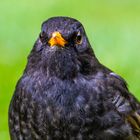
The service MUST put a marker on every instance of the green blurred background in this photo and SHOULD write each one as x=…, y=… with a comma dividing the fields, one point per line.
x=113, y=28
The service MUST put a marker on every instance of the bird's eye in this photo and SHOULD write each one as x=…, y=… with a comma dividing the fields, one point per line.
x=43, y=37
x=79, y=38
x=42, y=34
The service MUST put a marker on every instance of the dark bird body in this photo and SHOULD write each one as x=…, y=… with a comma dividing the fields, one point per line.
x=66, y=94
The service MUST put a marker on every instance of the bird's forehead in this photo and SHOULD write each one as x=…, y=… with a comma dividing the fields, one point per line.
x=61, y=24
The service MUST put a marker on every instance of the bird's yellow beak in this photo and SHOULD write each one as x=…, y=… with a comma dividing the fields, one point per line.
x=57, y=39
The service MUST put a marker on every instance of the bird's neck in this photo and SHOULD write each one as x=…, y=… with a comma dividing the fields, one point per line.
x=68, y=67
x=63, y=70
x=64, y=65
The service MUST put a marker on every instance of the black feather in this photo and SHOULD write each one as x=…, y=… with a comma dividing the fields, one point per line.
x=66, y=94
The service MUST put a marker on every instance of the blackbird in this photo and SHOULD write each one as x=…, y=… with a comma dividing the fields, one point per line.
x=65, y=93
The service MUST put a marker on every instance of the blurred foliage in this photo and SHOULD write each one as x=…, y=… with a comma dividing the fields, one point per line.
x=113, y=28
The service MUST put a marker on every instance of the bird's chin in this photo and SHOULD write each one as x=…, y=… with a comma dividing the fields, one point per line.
x=56, y=47
x=51, y=50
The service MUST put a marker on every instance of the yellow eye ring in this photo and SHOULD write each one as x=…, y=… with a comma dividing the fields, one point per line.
x=79, y=38
x=42, y=34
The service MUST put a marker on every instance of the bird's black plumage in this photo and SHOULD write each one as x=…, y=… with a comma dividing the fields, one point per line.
x=65, y=93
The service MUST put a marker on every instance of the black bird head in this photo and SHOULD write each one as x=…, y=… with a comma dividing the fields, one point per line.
x=63, y=32
x=62, y=49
